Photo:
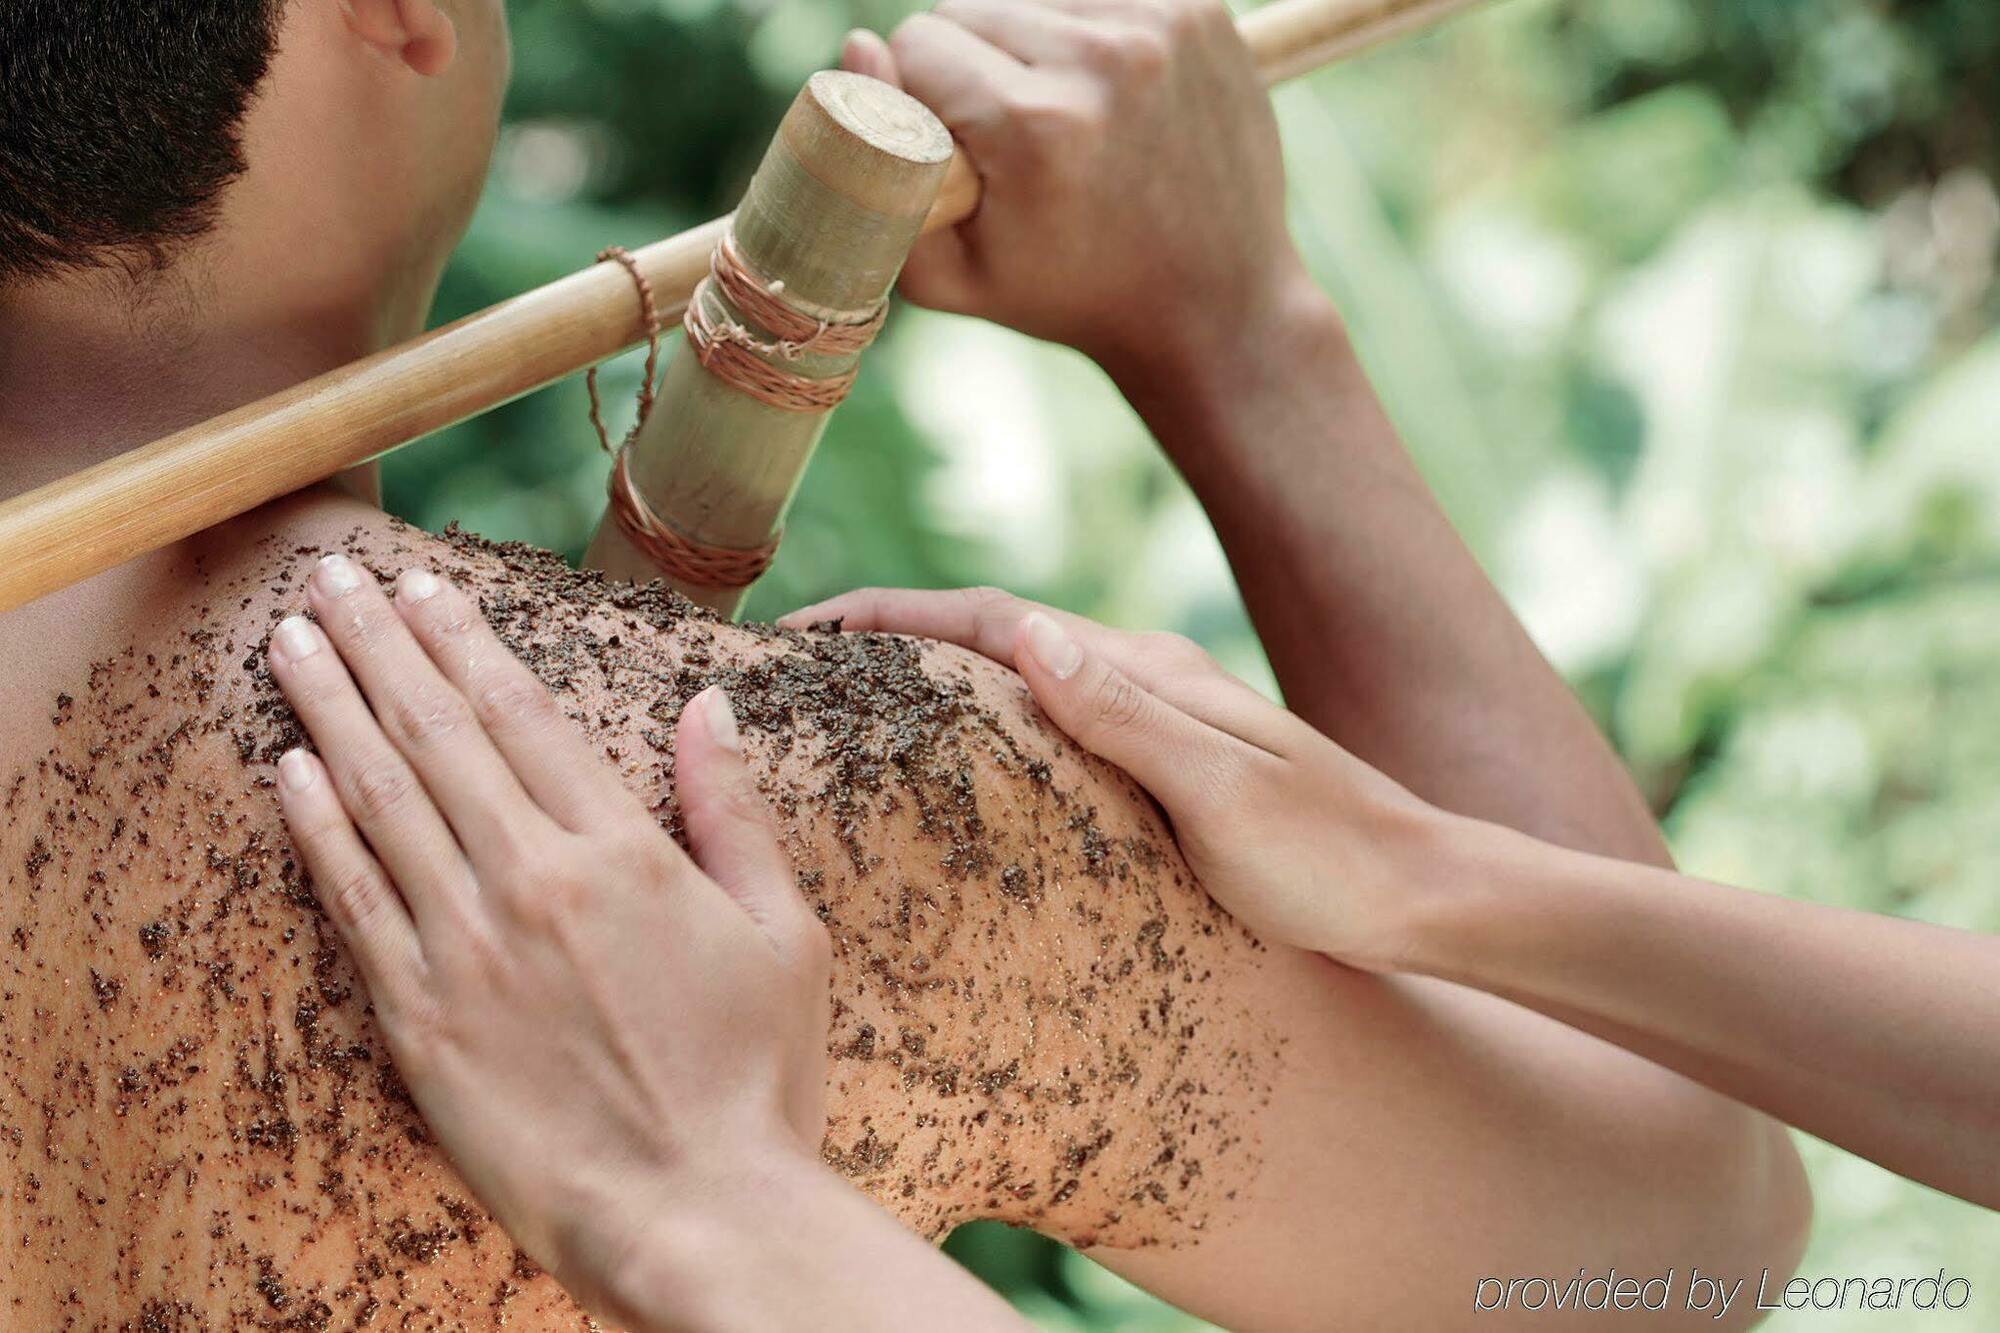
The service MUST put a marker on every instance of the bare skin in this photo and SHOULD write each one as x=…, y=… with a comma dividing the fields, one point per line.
x=1339, y=1142
x=994, y=900
x=522, y=921
x=989, y=1028
x=1872, y=1034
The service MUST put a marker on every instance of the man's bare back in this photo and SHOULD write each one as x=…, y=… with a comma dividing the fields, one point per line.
x=1037, y=1012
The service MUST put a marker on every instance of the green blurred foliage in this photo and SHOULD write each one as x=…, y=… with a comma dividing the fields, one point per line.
x=1686, y=308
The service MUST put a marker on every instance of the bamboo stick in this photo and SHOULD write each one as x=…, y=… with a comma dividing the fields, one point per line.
x=162, y=492
x=831, y=215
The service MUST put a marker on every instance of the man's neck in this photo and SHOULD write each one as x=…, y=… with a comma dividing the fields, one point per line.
x=94, y=365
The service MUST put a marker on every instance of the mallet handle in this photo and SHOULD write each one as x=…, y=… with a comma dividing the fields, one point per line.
x=159, y=493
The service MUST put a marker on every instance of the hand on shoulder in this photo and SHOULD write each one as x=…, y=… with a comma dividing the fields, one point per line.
x=1301, y=841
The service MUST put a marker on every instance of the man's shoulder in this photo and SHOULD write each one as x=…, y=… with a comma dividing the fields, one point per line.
x=252, y=572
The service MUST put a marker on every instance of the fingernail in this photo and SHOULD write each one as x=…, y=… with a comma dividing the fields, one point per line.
x=1057, y=652
x=296, y=639
x=417, y=585
x=722, y=722
x=295, y=770
x=338, y=576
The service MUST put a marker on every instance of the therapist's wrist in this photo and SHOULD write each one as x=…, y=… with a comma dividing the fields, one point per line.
x=1466, y=879
x=1361, y=875
x=1196, y=379
x=779, y=1240
x=698, y=1247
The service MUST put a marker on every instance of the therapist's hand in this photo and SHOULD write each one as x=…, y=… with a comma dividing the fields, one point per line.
x=1302, y=842
x=1134, y=187
x=604, y=1033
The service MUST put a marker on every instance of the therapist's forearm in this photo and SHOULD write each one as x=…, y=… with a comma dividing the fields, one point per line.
x=1874, y=1033
x=1383, y=631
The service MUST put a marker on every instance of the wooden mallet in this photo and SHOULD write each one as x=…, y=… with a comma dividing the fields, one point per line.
x=162, y=492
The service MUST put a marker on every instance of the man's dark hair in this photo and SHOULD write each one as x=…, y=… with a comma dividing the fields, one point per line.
x=119, y=124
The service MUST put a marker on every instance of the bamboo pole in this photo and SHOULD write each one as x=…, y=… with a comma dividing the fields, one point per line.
x=830, y=217
x=162, y=492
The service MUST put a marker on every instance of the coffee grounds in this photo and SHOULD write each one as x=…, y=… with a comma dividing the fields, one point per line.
x=1031, y=1014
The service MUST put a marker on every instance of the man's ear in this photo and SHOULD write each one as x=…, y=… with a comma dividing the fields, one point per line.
x=416, y=32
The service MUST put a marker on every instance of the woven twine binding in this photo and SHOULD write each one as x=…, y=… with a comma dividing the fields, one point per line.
x=735, y=355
